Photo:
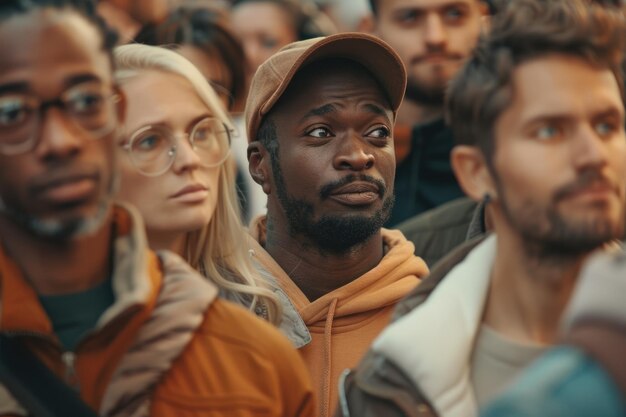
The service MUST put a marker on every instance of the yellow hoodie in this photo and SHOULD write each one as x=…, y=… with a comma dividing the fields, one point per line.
x=344, y=322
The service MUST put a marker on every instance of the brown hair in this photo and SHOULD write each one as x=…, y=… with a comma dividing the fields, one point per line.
x=521, y=31
x=206, y=29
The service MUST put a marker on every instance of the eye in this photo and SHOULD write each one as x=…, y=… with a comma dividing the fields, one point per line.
x=454, y=14
x=380, y=132
x=547, y=132
x=320, y=132
x=407, y=17
x=85, y=102
x=13, y=111
x=269, y=42
x=605, y=128
x=202, y=135
x=149, y=141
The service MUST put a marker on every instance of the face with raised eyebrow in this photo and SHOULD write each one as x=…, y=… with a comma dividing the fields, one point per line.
x=331, y=179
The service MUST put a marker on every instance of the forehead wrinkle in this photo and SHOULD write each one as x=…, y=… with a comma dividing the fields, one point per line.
x=320, y=111
x=372, y=108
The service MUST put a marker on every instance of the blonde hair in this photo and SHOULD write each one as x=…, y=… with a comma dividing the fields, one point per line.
x=218, y=250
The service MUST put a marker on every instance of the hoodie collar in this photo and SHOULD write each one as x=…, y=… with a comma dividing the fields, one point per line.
x=398, y=272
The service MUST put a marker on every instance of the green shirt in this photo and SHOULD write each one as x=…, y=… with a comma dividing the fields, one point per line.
x=73, y=315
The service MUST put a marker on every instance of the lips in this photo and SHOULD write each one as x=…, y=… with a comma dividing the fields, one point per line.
x=595, y=191
x=195, y=193
x=67, y=188
x=356, y=193
x=435, y=58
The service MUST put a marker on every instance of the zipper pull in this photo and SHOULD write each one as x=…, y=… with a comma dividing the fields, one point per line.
x=71, y=378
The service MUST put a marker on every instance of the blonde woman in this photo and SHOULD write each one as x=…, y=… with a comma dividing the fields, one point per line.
x=177, y=170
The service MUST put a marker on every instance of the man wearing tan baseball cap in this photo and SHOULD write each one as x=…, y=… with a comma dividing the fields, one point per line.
x=320, y=116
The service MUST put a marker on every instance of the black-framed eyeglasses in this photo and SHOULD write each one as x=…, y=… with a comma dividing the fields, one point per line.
x=153, y=149
x=89, y=106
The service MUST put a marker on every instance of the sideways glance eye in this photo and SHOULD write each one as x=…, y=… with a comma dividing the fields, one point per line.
x=380, y=132
x=319, y=132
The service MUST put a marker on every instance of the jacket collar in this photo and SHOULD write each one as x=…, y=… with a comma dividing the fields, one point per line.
x=441, y=369
x=136, y=280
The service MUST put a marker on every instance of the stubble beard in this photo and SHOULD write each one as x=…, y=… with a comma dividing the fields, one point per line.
x=67, y=229
x=424, y=94
x=547, y=234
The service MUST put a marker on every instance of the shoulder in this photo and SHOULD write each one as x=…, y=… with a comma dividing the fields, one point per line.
x=237, y=361
x=453, y=214
x=436, y=232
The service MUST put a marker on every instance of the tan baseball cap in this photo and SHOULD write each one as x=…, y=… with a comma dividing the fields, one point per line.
x=274, y=76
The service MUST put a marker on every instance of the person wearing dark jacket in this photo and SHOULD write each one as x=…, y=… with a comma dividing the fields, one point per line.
x=542, y=90
x=433, y=38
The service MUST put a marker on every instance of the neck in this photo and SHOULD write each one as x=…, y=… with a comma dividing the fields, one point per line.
x=411, y=113
x=54, y=267
x=174, y=242
x=528, y=292
x=316, y=272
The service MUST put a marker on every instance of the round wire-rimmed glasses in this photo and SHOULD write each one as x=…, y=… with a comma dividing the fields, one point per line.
x=89, y=106
x=152, y=149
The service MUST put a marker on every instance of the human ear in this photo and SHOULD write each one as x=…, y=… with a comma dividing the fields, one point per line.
x=472, y=173
x=258, y=160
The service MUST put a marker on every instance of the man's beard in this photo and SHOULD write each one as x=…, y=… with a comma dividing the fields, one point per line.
x=427, y=95
x=66, y=229
x=547, y=233
x=332, y=234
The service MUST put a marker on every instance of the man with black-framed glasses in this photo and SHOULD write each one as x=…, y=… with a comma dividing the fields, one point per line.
x=85, y=307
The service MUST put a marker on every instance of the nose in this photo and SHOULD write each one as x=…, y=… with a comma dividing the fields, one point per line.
x=186, y=158
x=60, y=138
x=435, y=34
x=591, y=150
x=354, y=155
x=253, y=54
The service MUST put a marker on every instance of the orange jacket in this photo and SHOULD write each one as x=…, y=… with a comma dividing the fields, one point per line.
x=234, y=364
x=343, y=323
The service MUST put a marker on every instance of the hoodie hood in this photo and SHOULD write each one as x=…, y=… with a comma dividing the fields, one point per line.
x=344, y=322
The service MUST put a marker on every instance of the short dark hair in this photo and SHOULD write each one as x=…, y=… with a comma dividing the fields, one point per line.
x=524, y=30
x=85, y=8
x=374, y=6
x=207, y=30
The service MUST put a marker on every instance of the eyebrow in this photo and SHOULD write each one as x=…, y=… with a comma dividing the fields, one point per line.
x=24, y=87
x=330, y=108
x=16, y=87
x=609, y=111
x=80, y=78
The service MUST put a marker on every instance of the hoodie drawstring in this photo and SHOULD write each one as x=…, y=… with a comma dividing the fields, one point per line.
x=328, y=332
